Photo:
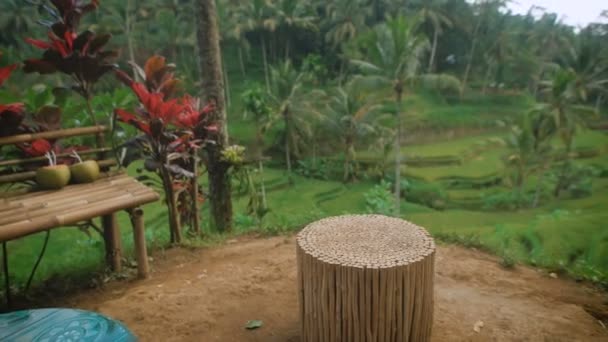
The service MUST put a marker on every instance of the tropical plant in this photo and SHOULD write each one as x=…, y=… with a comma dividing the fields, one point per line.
x=293, y=106
x=348, y=114
x=393, y=60
x=431, y=13
x=256, y=16
x=530, y=152
x=173, y=130
x=78, y=55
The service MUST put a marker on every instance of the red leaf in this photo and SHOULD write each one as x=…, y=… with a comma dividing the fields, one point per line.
x=39, y=43
x=5, y=72
x=37, y=148
x=132, y=119
x=12, y=108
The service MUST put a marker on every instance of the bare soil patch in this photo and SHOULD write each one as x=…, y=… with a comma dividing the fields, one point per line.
x=209, y=295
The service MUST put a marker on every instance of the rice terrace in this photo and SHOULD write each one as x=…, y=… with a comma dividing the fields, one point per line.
x=302, y=170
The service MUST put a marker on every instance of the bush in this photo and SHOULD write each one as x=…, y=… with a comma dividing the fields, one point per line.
x=511, y=200
x=428, y=194
x=574, y=178
x=379, y=200
x=318, y=170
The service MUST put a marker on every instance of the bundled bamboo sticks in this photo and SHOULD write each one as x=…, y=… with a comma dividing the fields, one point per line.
x=365, y=278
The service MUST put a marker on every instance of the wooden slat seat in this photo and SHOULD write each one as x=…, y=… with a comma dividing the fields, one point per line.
x=35, y=212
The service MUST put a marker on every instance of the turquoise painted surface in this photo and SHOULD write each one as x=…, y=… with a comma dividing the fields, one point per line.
x=48, y=325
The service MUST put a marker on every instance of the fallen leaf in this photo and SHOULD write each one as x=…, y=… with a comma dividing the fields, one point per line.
x=553, y=275
x=477, y=327
x=254, y=324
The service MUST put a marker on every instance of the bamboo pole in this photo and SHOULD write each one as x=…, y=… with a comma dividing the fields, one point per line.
x=57, y=134
x=28, y=175
x=113, y=243
x=139, y=239
x=62, y=155
x=365, y=278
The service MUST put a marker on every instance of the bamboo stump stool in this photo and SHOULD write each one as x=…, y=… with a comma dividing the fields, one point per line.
x=365, y=278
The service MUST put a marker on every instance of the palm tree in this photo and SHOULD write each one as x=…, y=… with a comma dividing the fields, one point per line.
x=484, y=8
x=530, y=149
x=208, y=37
x=255, y=15
x=293, y=106
x=564, y=94
x=348, y=110
x=344, y=19
x=394, y=60
x=293, y=15
x=431, y=13
x=549, y=39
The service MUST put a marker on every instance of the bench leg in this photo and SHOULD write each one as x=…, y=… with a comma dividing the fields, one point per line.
x=112, y=238
x=7, y=281
x=139, y=238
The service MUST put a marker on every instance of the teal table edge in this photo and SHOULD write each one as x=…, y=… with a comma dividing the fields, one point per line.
x=61, y=325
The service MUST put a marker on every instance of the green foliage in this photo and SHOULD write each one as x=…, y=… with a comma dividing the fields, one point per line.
x=431, y=195
x=310, y=168
x=379, y=200
x=507, y=200
x=575, y=178
x=314, y=66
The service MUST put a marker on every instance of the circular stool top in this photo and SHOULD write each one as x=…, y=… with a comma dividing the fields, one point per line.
x=61, y=325
x=366, y=241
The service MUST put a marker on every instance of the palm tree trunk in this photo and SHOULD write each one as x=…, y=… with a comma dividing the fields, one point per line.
x=433, y=51
x=287, y=148
x=208, y=37
x=486, y=79
x=226, y=86
x=539, y=186
x=265, y=58
x=241, y=61
x=398, y=157
x=263, y=186
x=467, y=70
x=128, y=34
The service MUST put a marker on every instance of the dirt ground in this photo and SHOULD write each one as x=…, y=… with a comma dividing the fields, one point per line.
x=209, y=295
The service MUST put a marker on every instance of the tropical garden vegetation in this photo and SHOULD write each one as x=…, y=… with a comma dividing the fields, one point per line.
x=486, y=127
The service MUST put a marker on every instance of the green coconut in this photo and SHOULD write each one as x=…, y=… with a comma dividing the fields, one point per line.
x=85, y=172
x=53, y=177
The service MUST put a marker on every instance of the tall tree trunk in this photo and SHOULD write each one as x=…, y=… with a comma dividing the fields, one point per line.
x=486, y=79
x=399, y=94
x=265, y=58
x=242, y=62
x=226, y=86
x=467, y=70
x=208, y=37
x=129, y=34
x=431, y=68
x=287, y=149
x=539, y=187
x=598, y=103
x=263, y=186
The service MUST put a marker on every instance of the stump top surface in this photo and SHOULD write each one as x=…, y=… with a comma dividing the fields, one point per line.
x=366, y=241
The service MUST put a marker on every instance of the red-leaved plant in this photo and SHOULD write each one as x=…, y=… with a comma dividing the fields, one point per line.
x=173, y=128
x=12, y=114
x=78, y=55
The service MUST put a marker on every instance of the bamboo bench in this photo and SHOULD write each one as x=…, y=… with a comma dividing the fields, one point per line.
x=27, y=210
